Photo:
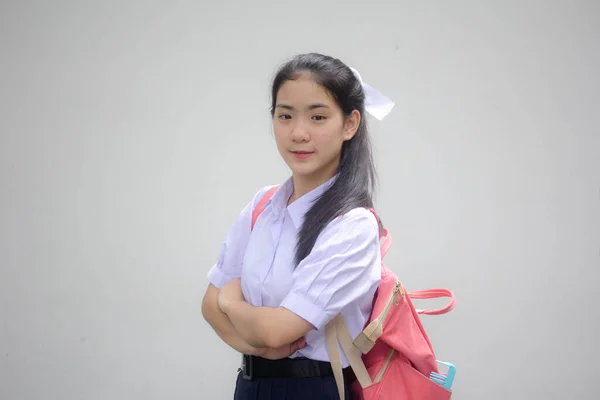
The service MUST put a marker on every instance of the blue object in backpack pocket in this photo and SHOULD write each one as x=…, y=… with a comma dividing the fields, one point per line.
x=444, y=380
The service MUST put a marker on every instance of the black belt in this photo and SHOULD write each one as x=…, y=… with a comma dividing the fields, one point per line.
x=258, y=367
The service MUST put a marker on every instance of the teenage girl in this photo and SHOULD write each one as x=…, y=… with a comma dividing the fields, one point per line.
x=314, y=251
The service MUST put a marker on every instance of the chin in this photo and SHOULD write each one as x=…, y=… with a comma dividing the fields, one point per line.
x=310, y=170
x=303, y=170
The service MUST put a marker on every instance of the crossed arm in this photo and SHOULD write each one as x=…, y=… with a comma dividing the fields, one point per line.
x=263, y=331
x=221, y=324
x=260, y=326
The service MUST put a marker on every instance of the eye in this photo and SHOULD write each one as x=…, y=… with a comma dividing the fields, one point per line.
x=318, y=117
x=284, y=116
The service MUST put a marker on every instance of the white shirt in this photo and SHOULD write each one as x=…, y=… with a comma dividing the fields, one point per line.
x=341, y=273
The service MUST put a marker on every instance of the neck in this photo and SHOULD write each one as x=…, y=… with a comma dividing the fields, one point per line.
x=304, y=184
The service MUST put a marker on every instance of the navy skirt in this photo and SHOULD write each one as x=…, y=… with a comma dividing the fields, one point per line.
x=313, y=388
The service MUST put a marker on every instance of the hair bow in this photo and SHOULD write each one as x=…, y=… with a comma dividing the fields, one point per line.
x=376, y=103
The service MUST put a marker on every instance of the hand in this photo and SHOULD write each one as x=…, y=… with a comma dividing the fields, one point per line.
x=281, y=352
x=229, y=292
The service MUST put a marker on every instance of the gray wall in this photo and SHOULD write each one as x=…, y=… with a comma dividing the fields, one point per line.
x=133, y=133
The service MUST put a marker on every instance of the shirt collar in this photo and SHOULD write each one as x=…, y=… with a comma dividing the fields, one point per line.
x=298, y=208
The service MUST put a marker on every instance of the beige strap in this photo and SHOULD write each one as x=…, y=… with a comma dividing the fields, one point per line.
x=334, y=355
x=352, y=353
x=337, y=331
x=365, y=341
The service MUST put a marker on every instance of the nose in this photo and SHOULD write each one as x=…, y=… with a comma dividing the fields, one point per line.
x=300, y=132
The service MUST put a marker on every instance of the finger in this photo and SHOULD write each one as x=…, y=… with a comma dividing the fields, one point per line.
x=297, y=345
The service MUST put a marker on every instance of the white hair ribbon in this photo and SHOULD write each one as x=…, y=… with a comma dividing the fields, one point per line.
x=376, y=103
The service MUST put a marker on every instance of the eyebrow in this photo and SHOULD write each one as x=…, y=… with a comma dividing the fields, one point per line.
x=310, y=107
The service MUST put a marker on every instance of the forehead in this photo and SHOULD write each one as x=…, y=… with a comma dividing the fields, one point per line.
x=303, y=90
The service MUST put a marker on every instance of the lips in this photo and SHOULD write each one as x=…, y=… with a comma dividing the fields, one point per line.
x=302, y=154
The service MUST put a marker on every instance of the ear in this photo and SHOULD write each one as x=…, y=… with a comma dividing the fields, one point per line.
x=351, y=123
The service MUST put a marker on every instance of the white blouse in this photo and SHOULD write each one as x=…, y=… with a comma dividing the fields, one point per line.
x=341, y=273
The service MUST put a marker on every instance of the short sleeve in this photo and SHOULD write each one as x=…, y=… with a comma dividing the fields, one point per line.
x=233, y=248
x=343, y=266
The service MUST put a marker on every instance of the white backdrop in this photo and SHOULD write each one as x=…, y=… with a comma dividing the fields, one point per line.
x=132, y=134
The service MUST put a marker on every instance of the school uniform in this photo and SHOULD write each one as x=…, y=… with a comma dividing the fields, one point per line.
x=341, y=274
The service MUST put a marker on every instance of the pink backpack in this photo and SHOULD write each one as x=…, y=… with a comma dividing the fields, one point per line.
x=392, y=358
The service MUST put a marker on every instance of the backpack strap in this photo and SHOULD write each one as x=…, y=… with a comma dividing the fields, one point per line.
x=260, y=207
x=331, y=341
x=336, y=331
x=434, y=294
x=385, y=237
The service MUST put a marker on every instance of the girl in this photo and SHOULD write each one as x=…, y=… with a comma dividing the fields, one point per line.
x=314, y=251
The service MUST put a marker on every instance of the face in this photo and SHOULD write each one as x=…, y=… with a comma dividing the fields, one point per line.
x=310, y=129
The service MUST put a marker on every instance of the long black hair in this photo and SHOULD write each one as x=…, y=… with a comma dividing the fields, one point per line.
x=355, y=181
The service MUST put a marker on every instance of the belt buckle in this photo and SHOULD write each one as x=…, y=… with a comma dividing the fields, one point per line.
x=247, y=370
